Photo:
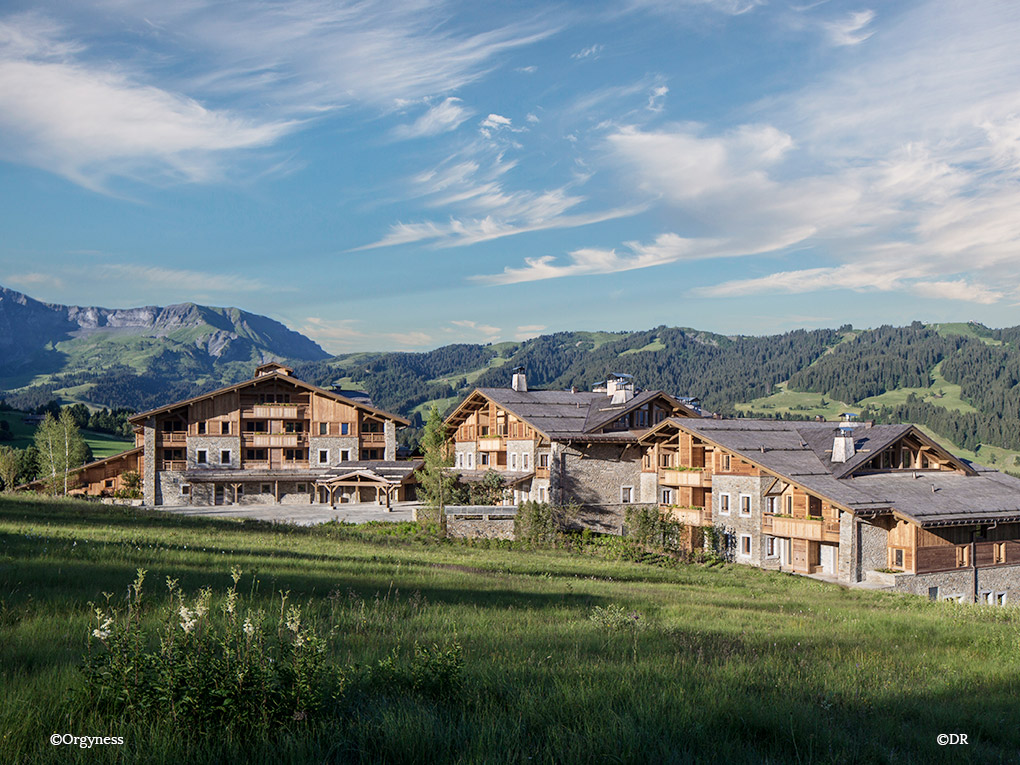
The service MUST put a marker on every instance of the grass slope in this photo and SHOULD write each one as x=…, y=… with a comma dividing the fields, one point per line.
x=725, y=664
x=102, y=444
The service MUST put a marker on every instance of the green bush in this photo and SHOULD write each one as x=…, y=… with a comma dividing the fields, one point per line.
x=540, y=524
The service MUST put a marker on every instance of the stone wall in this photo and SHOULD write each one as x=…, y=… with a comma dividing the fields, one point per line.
x=213, y=446
x=593, y=477
x=737, y=525
x=390, y=432
x=872, y=547
x=960, y=584
x=168, y=483
x=494, y=526
x=335, y=445
x=463, y=448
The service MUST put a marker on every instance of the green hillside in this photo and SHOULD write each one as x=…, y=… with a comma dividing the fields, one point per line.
x=483, y=651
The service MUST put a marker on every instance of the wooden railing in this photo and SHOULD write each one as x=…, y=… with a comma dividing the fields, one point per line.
x=174, y=437
x=694, y=478
x=174, y=465
x=275, y=412
x=491, y=444
x=275, y=439
x=541, y=472
x=690, y=516
x=373, y=438
x=814, y=529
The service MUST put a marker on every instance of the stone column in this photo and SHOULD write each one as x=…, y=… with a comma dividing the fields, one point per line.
x=149, y=469
x=847, y=553
x=390, y=433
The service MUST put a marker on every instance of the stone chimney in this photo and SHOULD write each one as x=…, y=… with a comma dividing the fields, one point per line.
x=519, y=381
x=843, y=444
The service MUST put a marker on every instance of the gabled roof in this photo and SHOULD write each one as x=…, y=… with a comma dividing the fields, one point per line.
x=87, y=465
x=800, y=453
x=273, y=375
x=562, y=415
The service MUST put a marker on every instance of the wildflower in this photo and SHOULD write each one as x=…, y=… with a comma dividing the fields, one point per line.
x=202, y=601
x=294, y=618
x=235, y=574
x=188, y=619
x=171, y=584
x=248, y=627
x=104, y=623
x=231, y=602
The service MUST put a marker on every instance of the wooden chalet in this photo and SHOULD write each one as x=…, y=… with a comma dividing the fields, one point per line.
x=102, y=478
x=563, y=446
x=854, y=502
x=270, y=439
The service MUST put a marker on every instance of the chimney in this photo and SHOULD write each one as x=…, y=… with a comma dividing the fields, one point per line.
x=519, y=382
x=620, y=388
x=843, y=444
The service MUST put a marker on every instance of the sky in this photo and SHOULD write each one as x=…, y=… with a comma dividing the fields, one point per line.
x=404, y=175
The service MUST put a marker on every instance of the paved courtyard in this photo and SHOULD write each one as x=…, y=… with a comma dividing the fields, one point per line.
x=303, y=515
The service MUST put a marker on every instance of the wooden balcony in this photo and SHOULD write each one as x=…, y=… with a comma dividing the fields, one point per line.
x=541, y=472
x=804, y=528
x=373, y=439
x=290, y=440
x=256, y=465
x=174, y=465
x=491, y=444
x=275, y=412
x=293, y=465
x=173, y=437
x=691, y=478
x=689, y=516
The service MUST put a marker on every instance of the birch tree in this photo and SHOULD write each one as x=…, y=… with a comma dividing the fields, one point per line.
x=61, y=450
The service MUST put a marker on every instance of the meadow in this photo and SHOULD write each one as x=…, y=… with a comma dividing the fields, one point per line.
x=568, y=656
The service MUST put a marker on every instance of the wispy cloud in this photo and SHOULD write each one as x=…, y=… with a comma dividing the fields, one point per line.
x=203, y=281
x=441, y=118
x=851, y=30
x=34, y=279
x=341, y=335
x=592, y=51
x=489, y=331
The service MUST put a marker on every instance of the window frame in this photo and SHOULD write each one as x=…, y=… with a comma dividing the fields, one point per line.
x=724, y=503
x=229, y=457
x=740, y=505
x=742, y=540
x=626, y=495
x=201, y=456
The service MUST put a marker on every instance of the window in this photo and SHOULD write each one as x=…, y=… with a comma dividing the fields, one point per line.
x=345, y=428
x=225, y=457
x=459, y=462
x=541, y=494
x=789, y=504
x=294, y=455
x=745, y=504
x=771, y=550
x=1000, y=599
x=483, y=458
x=745, y=544
x=345, y=455
x=513, y=461
x=323, y=456
x=255, y=455
x=641, y=418
x=963, y=556
x=302, y=487
x=524, y=461
x=470, y=460
x=201, y=428
x=667, y=496
x=108, y=483
x=772, y=505
x=323, y=428
x=543, y=460
x=725, y=462
x=897, y=558
x=185, y=489
x=293, y=427
x=724, y=504
x=265, y=488
x=201, y=457
x=626, y=494
x=933, y=593
x=225, y=428
x=999, y=552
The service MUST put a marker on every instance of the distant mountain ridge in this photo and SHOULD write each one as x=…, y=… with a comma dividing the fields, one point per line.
x=28, y=326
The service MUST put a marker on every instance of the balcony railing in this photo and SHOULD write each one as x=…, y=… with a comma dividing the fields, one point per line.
x=174, y=465
x=541, y=472
x=692, y=478
x=373, y=438
x=275, y=439
x=805, y=528
x=174, y=437
x=689, y=516
x=276, y=412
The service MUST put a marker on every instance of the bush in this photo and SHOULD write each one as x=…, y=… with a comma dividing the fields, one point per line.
x=207, y=673
x=649, y=526
x=539, y=524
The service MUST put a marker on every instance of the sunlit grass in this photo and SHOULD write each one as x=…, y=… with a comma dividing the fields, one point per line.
x=724, y=663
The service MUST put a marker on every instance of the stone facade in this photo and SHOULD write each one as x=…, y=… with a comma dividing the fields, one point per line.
x=214, y=446
x=168, y=487
x=335, y=445
x=737, y=525
x=595, y=477
x=999, y=581
x=872, y=547
x=149, y=467
x=461, y=452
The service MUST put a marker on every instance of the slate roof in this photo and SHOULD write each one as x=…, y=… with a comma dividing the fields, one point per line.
x=389, y=471
x=563, y=415
x=800, y=452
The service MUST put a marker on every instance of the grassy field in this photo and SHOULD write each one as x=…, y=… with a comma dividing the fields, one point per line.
x=710, y=664
x=798, y=402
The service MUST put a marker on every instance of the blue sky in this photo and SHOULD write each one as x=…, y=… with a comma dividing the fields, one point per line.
x=402, y=175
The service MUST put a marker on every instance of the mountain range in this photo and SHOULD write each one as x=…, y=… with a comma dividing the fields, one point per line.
x=960, y=380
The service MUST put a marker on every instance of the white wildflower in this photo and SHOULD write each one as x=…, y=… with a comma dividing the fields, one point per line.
x=202, y=601
x=188, y=619
x=248, y=627
x=103, y=631
x=231, y=602
x=294, y=618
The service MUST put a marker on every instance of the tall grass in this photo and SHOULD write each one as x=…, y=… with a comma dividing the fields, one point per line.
x=564, y=658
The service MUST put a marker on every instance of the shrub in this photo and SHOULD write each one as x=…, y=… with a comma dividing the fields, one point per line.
x=649, y=526
x=539, y=524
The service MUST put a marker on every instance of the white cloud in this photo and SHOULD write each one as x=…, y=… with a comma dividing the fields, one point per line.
x=656, y=98
x=35, y=279
x=681, y=7
x=201, y=280
x=342, y=335
x=206, y=79
x=487, y=330
x=851, y=30
x=527, y=331
x=441, y=118
x=960, y=289
x=592, y=51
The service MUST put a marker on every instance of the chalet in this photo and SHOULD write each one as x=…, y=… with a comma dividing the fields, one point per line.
x=271, y=439
x=855, y=502
x=564, y=446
